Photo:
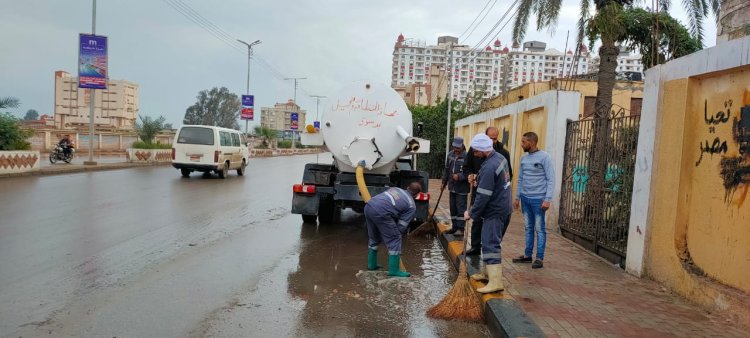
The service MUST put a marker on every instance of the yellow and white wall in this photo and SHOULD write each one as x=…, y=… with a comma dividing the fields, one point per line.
x=690, y=217
x=545, y=114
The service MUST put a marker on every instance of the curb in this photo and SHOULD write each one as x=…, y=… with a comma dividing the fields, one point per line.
x=79, y=168
x=503, y=315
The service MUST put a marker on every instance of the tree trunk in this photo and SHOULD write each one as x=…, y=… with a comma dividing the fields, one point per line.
x=734, y=20
x=597, y=161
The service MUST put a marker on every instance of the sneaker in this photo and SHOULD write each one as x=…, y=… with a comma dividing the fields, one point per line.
x=537, y=264
x=522, y=259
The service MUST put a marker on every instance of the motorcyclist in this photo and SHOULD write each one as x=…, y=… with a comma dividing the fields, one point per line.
x=66, y=144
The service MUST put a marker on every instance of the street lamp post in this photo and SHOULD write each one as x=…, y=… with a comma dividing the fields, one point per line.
x=249, y=56
x=92, y=98
x=295, y=102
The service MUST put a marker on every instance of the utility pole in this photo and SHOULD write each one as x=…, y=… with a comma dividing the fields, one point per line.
x=249, y=56
x=92, y=98
x=450, y=99
x=317, y=105
x=295, y=102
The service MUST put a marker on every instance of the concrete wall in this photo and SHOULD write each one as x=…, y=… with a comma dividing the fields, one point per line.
x=622, y=94
x=546, y=114
x=19, y=161
x=45, y=140
x=690, y=213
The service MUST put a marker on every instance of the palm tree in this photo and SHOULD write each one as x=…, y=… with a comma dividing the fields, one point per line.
x=266, y=134
x=9, y=102
x=608, y=22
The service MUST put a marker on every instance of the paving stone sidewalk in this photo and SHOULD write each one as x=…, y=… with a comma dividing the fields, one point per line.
x=577, y=294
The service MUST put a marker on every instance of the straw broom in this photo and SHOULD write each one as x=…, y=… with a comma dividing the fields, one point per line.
x=429, y=226
x=460, y=303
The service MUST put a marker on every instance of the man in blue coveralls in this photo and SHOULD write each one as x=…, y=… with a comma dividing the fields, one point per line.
x=493, y=205
x=388, y=215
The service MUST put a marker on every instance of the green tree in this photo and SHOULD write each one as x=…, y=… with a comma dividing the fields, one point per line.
x=215, y=107
x=674, y=40
x=31, y=114
x=148, y=128
x=266, y=134
x=434, y=120
x=12, y=137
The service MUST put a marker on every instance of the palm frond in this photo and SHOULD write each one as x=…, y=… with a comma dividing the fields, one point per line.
x=522, y=20
x=552, y=14
x=583, y=20
x=9, y=102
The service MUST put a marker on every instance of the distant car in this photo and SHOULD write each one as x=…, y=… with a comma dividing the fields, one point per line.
x=209, y=148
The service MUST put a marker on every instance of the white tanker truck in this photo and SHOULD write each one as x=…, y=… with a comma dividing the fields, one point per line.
x=366, y=126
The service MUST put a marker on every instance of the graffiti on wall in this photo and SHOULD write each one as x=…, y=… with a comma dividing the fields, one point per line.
x=734, y=170
x=717, y=145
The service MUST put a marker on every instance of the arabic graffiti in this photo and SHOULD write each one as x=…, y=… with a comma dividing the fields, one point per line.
x=735, y=170
x=717, y=146
x=355, y=104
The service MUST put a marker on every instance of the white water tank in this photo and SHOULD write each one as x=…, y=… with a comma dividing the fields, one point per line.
x=371, y=123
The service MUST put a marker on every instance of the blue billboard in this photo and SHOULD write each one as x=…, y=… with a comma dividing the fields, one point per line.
x=247, y=107
x=92, y=61
x=294, y=125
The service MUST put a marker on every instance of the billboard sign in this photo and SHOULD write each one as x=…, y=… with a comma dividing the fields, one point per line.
x=294, y=125
x=247, y=113
x=92, y=61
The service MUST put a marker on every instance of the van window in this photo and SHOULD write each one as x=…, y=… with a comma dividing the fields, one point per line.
x=244, y=140
x=236, y=140
x=226, y=139
x=196, y=135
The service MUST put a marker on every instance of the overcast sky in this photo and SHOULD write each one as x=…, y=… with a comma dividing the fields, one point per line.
x=331, y=42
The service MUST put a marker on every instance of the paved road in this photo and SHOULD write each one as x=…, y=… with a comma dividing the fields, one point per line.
x=145, y=253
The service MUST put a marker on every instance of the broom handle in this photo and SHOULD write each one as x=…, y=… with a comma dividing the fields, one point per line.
x=438, y=202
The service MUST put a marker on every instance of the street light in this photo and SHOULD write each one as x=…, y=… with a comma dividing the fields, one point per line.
x=249, y=56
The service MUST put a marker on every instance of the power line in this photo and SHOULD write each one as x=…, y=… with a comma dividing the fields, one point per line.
x=475, y=19
x=192, y=15
x=480, y=21
x=482, y=41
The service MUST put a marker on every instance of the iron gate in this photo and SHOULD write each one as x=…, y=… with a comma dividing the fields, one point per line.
x=597, y=184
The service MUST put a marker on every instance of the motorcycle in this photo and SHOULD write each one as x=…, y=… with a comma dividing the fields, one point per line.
x=59, y=155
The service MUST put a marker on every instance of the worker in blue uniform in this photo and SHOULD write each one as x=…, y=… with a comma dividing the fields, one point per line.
x=388, y=216
x=493, y=205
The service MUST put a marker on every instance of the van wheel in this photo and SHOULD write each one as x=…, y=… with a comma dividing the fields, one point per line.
x=185, y=172
x=224, y=172
x=241, y=169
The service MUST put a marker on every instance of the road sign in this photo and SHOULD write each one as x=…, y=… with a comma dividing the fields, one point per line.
x=92, y=61
x=248, y=101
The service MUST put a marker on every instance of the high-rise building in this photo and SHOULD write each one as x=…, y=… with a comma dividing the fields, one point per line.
x=115, y=108
x=419, y=70
x=279, y=117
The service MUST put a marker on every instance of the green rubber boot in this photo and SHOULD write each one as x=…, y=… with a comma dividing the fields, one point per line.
x=372, y=260
x=394, y=269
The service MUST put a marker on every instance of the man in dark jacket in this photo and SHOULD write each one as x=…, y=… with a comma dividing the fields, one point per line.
x=471, y=167
x=492, y=205
x=457, y=186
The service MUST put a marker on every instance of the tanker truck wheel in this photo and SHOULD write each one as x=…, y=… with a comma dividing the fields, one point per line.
x=309, y=218
x=326, y=211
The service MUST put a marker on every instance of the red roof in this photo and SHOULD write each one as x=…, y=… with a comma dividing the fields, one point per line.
x=401, y=38
x=497, y=42
x=488, y=48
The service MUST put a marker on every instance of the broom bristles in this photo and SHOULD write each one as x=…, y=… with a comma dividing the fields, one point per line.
x=460, y=303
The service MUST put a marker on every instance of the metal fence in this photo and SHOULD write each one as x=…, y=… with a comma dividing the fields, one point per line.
x=597, y=184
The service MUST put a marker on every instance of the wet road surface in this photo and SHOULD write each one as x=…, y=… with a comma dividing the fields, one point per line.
x=144, y=253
